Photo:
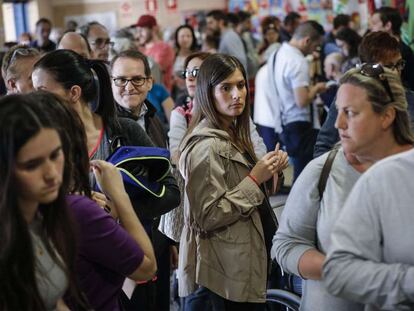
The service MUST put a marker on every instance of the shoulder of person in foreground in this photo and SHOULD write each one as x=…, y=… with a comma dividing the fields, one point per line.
x=101, y=240
x=297, y=226
x=355, y=268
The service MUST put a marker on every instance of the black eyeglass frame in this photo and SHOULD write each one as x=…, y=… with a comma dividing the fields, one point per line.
x=139, y=81
x=399, y=66
x=373, y=70
x=186, y=73
x=101, y=42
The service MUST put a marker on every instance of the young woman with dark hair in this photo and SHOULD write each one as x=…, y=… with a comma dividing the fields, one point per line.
x=107, y=252
x=226, y=211
x=185, y=44
x=270, y=27
x=37, y=261
x=348, y=40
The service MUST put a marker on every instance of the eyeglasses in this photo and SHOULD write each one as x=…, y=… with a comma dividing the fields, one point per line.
x=399, y=65
x=136, y=81
x=101, y=42
x=377, y=71
x=186, y=73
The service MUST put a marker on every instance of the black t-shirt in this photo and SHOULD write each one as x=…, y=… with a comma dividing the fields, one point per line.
x=407, y=75
x=48, y=47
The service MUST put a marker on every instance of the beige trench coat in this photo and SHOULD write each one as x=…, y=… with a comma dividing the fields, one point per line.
x=222, y=245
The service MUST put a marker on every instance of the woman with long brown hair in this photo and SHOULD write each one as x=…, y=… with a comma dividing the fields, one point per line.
x=226, y=212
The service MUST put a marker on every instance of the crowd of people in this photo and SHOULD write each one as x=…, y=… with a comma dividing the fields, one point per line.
x=229, y=112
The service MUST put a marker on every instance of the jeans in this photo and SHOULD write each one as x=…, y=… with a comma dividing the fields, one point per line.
x=204, y=299
x=270, y=137
x=299, y=139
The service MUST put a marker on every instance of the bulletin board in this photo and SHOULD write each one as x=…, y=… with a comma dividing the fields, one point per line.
x=322, y=11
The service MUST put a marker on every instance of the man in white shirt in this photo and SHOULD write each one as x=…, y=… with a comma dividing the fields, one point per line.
x=296, y=94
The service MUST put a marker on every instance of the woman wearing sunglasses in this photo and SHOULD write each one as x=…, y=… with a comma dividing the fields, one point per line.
x=373, y=123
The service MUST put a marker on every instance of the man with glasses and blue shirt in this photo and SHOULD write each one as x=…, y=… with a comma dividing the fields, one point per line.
x=17, y=68
x=376, y=47
x=98, y=39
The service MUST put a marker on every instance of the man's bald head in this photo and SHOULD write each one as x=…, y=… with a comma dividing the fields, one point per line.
x=76, y=42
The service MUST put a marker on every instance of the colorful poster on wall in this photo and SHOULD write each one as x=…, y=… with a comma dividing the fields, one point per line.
x=358, y=9
x=171, y=5
x=319, y=10
x=125, y=9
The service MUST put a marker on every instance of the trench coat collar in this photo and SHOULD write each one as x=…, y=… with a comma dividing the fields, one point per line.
x=203, y=131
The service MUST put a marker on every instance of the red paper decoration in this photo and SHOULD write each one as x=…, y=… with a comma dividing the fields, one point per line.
x=171, y=4
x=151, y=6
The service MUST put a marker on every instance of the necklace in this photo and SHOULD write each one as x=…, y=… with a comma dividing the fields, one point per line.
x=37, y=244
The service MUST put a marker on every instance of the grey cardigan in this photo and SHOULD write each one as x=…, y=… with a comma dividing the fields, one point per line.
x=371, y=257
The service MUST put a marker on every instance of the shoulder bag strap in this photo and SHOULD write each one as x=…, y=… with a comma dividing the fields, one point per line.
x=323, y=179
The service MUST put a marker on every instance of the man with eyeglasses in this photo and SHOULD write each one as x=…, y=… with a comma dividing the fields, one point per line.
x=376, y=47
x=17, y=68
x=131, y=82
x=99, y=40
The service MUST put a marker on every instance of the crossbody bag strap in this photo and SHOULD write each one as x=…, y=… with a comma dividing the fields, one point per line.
x=116, y=142
x=323, y=179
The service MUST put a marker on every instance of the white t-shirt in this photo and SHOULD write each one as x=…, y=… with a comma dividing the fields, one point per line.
x=264, y=113
x=292, y=71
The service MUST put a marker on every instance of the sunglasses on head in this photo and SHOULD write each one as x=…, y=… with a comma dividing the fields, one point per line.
x=377, y=71
x=24, y=52
x=186, y=73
